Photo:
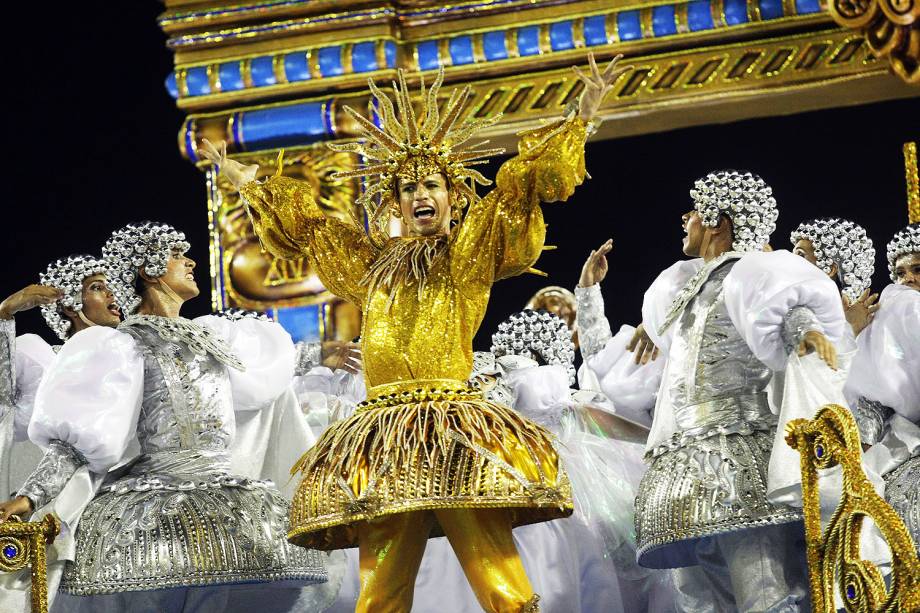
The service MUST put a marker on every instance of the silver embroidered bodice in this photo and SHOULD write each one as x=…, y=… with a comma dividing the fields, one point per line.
x=187, y=402
x=711, y=364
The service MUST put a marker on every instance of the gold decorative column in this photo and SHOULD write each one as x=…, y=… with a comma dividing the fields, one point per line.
x=23, y=544
x=913, y=182
x=834, y=560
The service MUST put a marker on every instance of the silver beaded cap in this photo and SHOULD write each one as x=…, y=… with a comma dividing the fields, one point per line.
x=905, y=241
x=67, y=275
x=844, y=243
x=149, y=244
x=539, y=332
x=745, y=199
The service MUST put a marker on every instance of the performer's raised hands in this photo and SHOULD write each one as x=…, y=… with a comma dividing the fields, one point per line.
x=236, y=173
x=27, y=298
x=597, y=85
x=595, y=268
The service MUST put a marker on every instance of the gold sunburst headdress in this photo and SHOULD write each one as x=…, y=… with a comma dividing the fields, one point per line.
x=412, y=146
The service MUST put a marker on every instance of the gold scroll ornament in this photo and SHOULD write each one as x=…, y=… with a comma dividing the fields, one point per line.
x=891, y=27
x=834, y=560
x=23, y=544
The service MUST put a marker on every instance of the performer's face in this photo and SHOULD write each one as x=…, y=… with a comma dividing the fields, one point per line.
x=804, y=249
x=907, y=270
x=98, y=303
x=425, y=205
x=693, y=233
x=180, y=275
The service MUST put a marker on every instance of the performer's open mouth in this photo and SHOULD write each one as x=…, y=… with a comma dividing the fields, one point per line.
x=190, y=276
x=113, y=309
x=424, y=211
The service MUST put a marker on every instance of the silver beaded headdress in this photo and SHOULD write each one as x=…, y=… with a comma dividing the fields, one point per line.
x=745, y=199
x=844, y=243
x=539, y=332
x=67, y=275
x=236, y=314
x=905, y=241
x=149, y=244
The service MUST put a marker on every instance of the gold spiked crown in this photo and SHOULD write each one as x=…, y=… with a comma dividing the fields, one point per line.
x=411, y=146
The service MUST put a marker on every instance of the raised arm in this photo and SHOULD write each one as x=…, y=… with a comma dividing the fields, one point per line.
x=502, y=234
x=290, y=225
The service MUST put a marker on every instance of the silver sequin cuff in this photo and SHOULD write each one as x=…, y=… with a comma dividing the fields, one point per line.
x=7, y=365
x=309, y=355
x=593, y=327
x=872, y=418
x=799, y=320
x=53, y=472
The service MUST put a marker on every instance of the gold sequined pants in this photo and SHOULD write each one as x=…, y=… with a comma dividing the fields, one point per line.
x=391, y=547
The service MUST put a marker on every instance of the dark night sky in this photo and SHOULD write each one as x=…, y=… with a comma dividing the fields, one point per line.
x=91, y=145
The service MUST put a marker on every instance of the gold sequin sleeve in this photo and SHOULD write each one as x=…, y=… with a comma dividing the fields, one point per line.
x=291, y=225
x=502, y=235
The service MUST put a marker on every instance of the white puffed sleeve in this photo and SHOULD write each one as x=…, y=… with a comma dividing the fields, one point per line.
x=630, y=387
x=90, y=397
x=540, y=392
x=886, y=367
x=774, y=297
x=661, y=294
x=33, y=357
x=266, y=351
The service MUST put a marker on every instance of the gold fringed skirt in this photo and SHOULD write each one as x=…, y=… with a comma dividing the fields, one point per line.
x=427, y=444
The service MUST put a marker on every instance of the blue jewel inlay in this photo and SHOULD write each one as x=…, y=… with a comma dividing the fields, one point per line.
x=10, y=552
x=851, y=591
x=819, y=451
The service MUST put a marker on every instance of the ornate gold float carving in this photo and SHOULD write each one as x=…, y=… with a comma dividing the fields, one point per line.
x=891, y=27
x=834, y=560
x=23, y=544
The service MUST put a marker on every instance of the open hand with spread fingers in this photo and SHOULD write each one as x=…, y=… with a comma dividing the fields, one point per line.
x=236, y=173
x=597, y=85
x=860, y=312
x=641, y=344
x=341, y=355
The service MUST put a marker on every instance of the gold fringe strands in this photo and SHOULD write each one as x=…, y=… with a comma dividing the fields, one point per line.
x=411, y=146
x=425, y=444
x=404, y=262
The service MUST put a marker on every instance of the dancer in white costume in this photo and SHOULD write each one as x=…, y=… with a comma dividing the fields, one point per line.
x=626, y=367
x=883, y=387
x=175, y=531
x=704, y=499
x=73, y=296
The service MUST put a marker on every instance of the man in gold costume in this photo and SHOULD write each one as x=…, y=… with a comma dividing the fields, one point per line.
x=426, y=455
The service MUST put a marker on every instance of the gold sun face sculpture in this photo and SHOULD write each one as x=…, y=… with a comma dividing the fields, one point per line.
x=411, y=146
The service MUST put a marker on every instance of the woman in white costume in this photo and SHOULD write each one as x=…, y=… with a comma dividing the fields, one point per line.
x=175, y=530
x=73, y=296
x=883, y=386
